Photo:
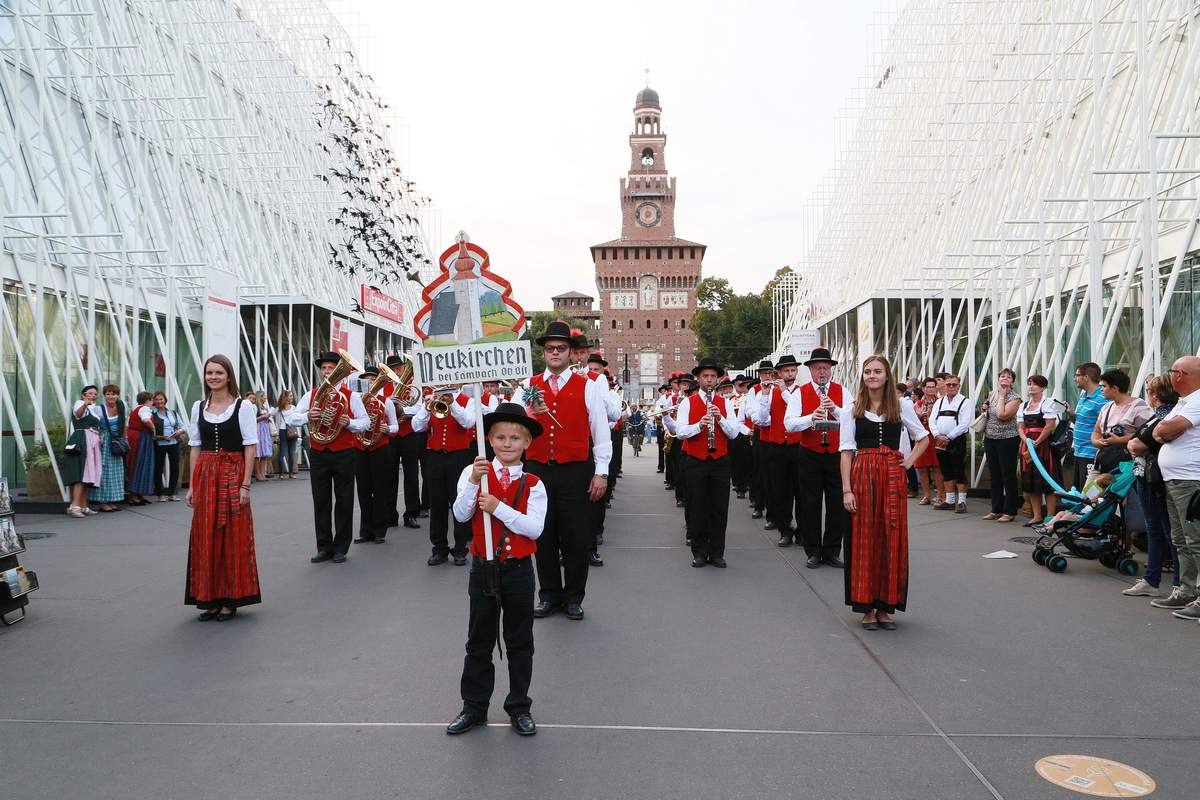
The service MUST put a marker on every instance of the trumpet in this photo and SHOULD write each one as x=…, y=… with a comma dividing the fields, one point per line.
x=332, y=404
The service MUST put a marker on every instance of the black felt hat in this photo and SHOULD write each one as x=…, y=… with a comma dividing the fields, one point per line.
x=596, y=358
x=687, y=378
x=369, y=371
x=707, y=363
x=396, y=360
x=820, y=354
x=331, y=357
x=787, y=361
x=557, y=330
x=765, y=365
x=512, y=412
x=666, y=387
x=724, y=383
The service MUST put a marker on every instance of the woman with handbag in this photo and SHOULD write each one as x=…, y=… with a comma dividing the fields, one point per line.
x=1037, y=420
x=1001, y=444
x=113, y=449
x=1119, y=420
x=140, y=462
x=82, y=464
x=289, y=436
x=222, y=571
x=265, y=444
x=169, y=431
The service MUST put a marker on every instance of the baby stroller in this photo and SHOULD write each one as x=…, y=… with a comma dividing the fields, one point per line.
x=1099, y=533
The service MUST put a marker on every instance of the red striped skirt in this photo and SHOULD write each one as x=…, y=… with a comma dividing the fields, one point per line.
x=877, y=550
x=221, y=570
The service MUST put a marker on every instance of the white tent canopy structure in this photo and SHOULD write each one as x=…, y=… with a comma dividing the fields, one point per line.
x=146, y=150
x=1019, y=187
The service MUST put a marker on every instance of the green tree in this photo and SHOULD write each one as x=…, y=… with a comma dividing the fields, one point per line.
x=732, y=328
x=537, y=322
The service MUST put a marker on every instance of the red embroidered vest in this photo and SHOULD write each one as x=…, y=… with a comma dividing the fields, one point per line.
x=402, y=420
x=567, y=441
x=446, y=434
x=774, y=432
x=509, y=545
x=697, y=446
x=809, y=401
x=345, y=439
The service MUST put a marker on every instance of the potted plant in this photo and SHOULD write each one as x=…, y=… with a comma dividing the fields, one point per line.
x=40, y=482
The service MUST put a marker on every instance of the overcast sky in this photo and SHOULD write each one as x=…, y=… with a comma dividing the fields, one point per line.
x=517, y=116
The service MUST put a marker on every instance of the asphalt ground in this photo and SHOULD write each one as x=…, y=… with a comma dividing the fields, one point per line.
x=754, y=681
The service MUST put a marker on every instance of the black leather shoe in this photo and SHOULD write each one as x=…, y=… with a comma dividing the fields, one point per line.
x=574, y=611
x=205, y=616
x=887, y=625
x=465, y=722
x=524, y=725
x=833, y=561
x=544, y=608
x=756, y=515
x=437, y=558
x=769, y=526
x=410, y=522
x=380, y=540
x=364, y=539
x=460, y=561
x=814, y=562
x=699, y=561
x=339, y=558
x=718, y=562
x=784, y=541
x=424, y=512
x=658, y=470
x=225, y=616
x=595, y=560
x=322, y=556
x=678, y=503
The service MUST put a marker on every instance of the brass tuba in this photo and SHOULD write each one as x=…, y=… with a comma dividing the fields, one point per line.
x=332, y=404
x=376, y=410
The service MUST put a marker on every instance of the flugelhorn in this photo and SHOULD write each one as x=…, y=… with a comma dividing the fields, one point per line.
x=439, y=407
x=332, y=404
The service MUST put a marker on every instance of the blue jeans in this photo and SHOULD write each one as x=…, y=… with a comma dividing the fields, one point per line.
x=285, y=462
x=1158, y=533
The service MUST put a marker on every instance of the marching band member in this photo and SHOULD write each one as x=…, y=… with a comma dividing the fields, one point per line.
x=331, y=464
x=448, y=454
x=405, y=447
x=501, y=590
x=758, y=478
x=779, y=451
x=661, y=405
x=818, y=477
x=571, y=410
x=489, y=396
x=668, y=427
x=688, y=385
x=741, y=453
x=373, y=472
x=705, y=426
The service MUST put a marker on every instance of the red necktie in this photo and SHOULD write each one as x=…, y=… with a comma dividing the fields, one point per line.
x=554, y=384
x=505, y=479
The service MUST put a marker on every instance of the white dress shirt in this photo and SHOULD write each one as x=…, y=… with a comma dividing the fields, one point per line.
x=597, y=411
x=393, y=424
x=795, y=421
x=947, y=426
x=359, y=422
x=686, y=430
x=528, y=524
x=909, y=423
x=761, y=415
x=464, y=415
x=247, y=422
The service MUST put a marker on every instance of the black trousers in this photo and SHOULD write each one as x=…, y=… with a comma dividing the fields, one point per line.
x=514, y=608
x=658, y=440
x=618, y=454
x=408, y=456
x=740, y=455
x=331, y=477
x=424, y=468
x=567, y=535
x=669, y=461
x=166, y=456
x=1001, y=457
x=373, y=476
x=817, y=478
x=758, y=472
x=779, y=463
x=441, y=477
x=707, y=509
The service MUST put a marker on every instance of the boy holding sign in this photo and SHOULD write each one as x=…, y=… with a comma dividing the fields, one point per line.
x=503, y=580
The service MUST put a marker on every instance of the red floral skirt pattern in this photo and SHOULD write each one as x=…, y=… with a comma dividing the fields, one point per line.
x=877, y=550
x=221, y=570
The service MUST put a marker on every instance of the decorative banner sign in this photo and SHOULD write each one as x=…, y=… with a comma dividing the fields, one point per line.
x=382, y=304
x=339, y=334
x=804, y=342
x=472, y=363
x=467, y=303
x=1098, y=777
x=220, y=316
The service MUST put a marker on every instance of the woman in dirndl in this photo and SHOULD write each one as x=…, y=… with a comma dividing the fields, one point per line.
x=81, y=466
x=875, y=492
x=222, y=573
x=111, y=488
x=927, y=466
x=141, y=446
x=1036, y=420
x=265, y=440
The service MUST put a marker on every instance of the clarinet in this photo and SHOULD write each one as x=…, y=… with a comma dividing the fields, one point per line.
x=712, y=428
x=824, y=431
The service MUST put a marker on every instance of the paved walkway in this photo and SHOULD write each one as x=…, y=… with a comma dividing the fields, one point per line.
x=749, y=682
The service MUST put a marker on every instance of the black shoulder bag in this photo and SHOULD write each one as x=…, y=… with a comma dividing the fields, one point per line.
x=118, y=445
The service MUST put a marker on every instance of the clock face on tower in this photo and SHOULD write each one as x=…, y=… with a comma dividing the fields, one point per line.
x=648, y=214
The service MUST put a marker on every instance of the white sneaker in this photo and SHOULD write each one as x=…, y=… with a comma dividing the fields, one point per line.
x=1142, y=589
x=163, y=499
x=75, y=511
x=91, y=512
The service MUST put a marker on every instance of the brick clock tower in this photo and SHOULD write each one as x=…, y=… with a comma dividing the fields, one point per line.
x=647, y=278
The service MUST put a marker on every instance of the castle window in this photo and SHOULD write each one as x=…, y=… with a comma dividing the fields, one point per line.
x=630, y=324
x=614, y=324
x=647, y=323
x=682, y=324
x=664, y=323
x=637, y=253
x=692, y=252
x=670, y=252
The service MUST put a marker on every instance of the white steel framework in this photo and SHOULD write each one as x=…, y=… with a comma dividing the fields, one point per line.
x=144, y=143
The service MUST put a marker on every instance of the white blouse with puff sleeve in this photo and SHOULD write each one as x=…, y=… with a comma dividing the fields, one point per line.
x=247, y=422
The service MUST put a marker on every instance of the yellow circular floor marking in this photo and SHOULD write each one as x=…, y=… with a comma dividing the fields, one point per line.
x=1095, y=776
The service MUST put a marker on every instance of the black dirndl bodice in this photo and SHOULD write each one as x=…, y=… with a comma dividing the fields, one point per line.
x=226, y=436
x=869, y=435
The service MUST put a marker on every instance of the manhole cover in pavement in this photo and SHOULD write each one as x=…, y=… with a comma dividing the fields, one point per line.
x=36, y=534
x=1095, y=776
x=1024, y=539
